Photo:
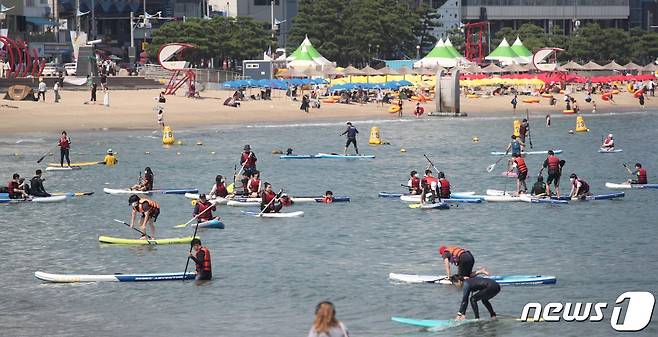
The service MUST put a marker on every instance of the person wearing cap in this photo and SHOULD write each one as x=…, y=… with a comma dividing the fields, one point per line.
x=458, y=256
x=351, y=133
x=269, y=202
x=110, y=159
x=516, y=146
x=201, y=258
x=579, y=187
x=414, y=183
x=554, y=166
x=203, y=210
x=248, y=162
x=149, y=209
x=482, y=289
x=37, y=188
x=608, y=143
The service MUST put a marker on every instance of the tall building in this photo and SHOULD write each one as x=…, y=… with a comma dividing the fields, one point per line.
x=261, y=10
x=643, y=14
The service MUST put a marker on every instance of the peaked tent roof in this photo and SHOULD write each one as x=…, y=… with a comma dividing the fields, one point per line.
x=571, y=65
x=452, y=49
x=439, y=55
x=614, y=66
x=521, y=50
x=632, y=66
x=350, y=70
x=504, y=54
x=370, y=71
x=492, y=68
x=591, y=65
x=307, y=56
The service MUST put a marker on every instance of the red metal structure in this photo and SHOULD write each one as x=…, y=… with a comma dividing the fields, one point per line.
x=476, y=38
x=21, y=62
x=182, y=73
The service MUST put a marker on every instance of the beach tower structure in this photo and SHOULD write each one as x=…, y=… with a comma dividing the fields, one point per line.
x=170, y=57
x=446, y=93
x=475, y=40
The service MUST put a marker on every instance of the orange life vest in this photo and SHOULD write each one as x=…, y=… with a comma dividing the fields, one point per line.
x=205, y=265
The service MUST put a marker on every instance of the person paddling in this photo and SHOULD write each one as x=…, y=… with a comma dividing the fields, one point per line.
x=64, y=144
x=149, y=209
x=146, y=183
x=414, y=183
x=641, y=174
x=608, y=143
x=524, y=130
x=554, y=166
x=522, y=173
x=515, y=146
x=254, y=185
x=351, y=133
x=201, y=257
x=219, y=188
x=443, y=186
x=110, y=159
x=248, y=162
x=428, y=185
x=36, y=184
x=482, y=289
x=268, y=203
x=203, y=210
x=579, y=187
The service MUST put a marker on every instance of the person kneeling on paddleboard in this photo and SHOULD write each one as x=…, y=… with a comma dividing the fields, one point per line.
x=460, y=257
x=539, y=188
x=202, y=211
x=482, y=289
x=219, y=188
x=608, y=143
x=201, y=257
x=13, y=188
x=641, y=175
x=579, y=187
x=414, y=183
x=149, y=210
x=268, y=202
x=253, y=185
x=443, y=186
x=554, y=165
x=146, y=183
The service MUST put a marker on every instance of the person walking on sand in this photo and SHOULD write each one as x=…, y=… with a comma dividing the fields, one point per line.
x=400, y=105
x=56, y=91
x=94, y=87
x=106, y=97
x=42, y=90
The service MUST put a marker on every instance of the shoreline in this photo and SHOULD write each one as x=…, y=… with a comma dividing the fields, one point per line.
x=134, y=111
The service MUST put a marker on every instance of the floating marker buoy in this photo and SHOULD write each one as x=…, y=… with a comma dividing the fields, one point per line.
x=476, y=139
x=167, y=135
x=212, y=152
x=375, y=138
x=516, y=127
x=277, y=151
x=199, y=143
x=580, y=125
x=146, y=152
x=403, y=150
x=571, y=132
x=178, y=153
x=180, y=142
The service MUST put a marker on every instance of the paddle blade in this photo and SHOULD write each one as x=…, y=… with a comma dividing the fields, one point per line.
x=415, y=205
x=41, y=159
x=181, y=226
x=490, y=168
x=230, y=188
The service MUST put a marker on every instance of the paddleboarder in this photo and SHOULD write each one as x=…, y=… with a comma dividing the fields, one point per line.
x=201, y=258
x=201, y=211
x=36, y=184
x=110, y=159
x=328, y=197
x=482, y=289
x=254, y=185
x=579, y=187
x=414, y=183
x=326, y=324
x=146, y=183
x=554, y=165
x=524, y=129
x=539, y=188
x=64, y=144
x=219, y=188
x=522, y=173
x=641, y=174
x=458, y=256
x=608, y=143
x=248, y=162
x=351, y=133
x=428, y=185
x=268, y=203
x=149, y=209
x=515, y=146
x=13, y=190
x=443, y=186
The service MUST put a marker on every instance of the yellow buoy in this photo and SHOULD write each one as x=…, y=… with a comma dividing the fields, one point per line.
x=403, y=150
x=476, y=139
x=517, y=127
x=167, y=135
x=580, y=124
x=375, y=138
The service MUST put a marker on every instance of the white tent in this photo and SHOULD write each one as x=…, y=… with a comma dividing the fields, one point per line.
x=505, y=54
x=306, y=56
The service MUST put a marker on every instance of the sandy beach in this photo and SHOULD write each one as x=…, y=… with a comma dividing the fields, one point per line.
x=134, y=109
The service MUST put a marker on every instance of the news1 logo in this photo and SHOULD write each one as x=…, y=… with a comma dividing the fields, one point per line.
x=636, y=316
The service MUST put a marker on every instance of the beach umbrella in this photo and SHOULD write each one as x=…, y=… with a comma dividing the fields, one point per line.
x=522, y=51
x=515, y=68
x=331, y=71
x=632, y=66
x=389, y=71
x=404, y=83
x=591, y=65
x=492, y=68
x=614, y=66
x=571, y=65
x=370, y=71
x=651, y=67
x=473, y=69
x=351, y=71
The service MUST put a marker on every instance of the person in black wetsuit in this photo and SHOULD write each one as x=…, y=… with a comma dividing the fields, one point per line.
x=482, y=289
x=351, y=137
x=37, y=188
x=539, y=188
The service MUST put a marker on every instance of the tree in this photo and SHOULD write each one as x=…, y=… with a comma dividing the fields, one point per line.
x=429, y=20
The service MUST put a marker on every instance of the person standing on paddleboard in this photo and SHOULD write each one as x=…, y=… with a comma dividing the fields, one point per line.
x=554, y=166
x=201, y=257
x=201, y=211
x=515, y=146
x=351, y=133
x=482, y=289
x=579, y=187
x=326, y=324
x=641, y=174
x=522, y=173
x=149, y=209
x=524, y=129
x=248, y=162
x=64, y=144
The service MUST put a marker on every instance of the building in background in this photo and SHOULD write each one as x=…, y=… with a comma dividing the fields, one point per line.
x=643, y=14
x=261, y=10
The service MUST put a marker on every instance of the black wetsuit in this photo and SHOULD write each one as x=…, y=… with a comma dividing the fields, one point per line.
x=37, y=189
x=484, y=289
x=351, y=137
x=539, y=188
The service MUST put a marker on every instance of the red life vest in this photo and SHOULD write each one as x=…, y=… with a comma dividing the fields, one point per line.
x=286, y=201
x=327, y=200
x=253, y=185
x=608, y=142
x=11, y=185
x=248, y=159
x=584, y=186
x=642, y=176
x=220, y=190
x=431, y=180
x=64, y=143
x=203, y=214
x=267, y=197
x=444, y=188
x=154, y=205
x=414, y=183
x=205, y=265
x=520, y=165
x=553, y=164
x=455, y=253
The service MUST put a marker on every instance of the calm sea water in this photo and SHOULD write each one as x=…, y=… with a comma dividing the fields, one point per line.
x=270, y=273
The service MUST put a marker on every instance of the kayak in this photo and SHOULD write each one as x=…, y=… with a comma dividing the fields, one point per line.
x=340, y=156
x=499, y=153
x=65, y=168
x=610, y=151
x=432, y=323
x=629, y=186
x=415, y=198
x=73, y=194
x=298, y=156
x=251, y=202
x=121, y=241
x=210, y=224
x=71, y=278
x=274, y=215
x=88, y=163
x=502, y=280
x=56, y=198
x=115, y=191
x=218, y=201
x=438, y=205
x=594, y=197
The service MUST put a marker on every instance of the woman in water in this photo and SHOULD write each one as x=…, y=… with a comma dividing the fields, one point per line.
x=326, y=324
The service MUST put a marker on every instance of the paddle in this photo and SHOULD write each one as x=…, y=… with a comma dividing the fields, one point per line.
x=189, y=254
x=196, y=216
x=127, y=224
x=430, y=161
x=45, y=154
x=271, y=201
x=527, y=117
x=492, y=166
x=231, y=187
